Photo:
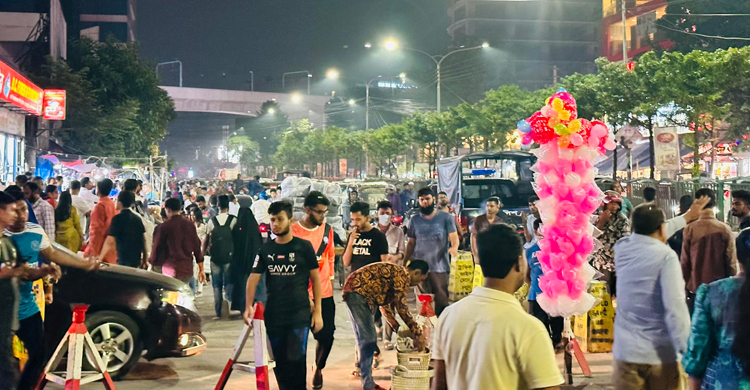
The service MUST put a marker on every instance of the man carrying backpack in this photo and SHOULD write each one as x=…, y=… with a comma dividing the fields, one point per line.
x=220, y=245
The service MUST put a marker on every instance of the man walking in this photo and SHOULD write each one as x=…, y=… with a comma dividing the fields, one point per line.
x=406, y=195
x=433, y=238
x=126, y=234
x=741, y=207
x=382, y=285
x=175, y=243
x=219, y=244
x=395, y=199
x=366, y=244
x=314, y=229
x=528, y=222
x=485, y=221
x=86, y=193
x=652, y=323
x=708, y=248
x=393, y=234
x=44, y=212
x=101, y=218
x=83, y=206
x=290, y=266
x=490, y=328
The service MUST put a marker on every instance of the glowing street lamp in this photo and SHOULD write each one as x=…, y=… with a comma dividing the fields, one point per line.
x=485, y=45
x=332, y=74
x=271, y=111
x=391, y=44
x=296, y=98
x=352, y=102
x=368, y=45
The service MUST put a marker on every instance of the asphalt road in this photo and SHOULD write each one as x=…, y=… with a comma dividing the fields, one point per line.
x=203, y=371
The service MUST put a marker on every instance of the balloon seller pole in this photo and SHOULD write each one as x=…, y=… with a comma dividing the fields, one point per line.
x=564, y=181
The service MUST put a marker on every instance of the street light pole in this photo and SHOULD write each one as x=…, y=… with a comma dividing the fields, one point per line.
x=624, y=33
x=170, y=62
x=252, y=81
x=283, y=77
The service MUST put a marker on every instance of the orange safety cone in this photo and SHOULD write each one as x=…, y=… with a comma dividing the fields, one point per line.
x=262, y=360
x=78, y=341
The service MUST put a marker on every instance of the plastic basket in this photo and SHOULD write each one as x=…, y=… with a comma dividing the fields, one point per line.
x=414, y=361
x=404, y=379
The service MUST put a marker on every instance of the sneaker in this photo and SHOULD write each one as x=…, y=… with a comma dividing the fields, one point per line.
x=317, y=382
x=377, y=359
x=215, y=318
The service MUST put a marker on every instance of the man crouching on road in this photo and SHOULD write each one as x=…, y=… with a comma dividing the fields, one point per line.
x=290, y=263
x=384, y=285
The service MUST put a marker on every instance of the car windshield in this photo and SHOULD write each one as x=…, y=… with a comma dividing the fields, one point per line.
x=475, y=193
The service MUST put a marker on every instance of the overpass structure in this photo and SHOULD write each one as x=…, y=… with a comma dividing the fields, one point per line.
x=248, y=103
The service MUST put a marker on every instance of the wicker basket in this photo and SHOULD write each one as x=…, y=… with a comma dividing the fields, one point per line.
x=414, y=361
x=404, y=379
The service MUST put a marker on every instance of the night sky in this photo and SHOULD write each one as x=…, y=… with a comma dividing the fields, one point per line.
x=220, y=41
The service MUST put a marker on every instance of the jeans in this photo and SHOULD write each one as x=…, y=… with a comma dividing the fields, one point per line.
x=363, y=322
x=289, y=349
x=31, y=333
x=221, y=284
x=325, y=336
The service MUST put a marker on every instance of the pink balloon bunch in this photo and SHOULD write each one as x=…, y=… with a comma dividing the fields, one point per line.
x=564, y=181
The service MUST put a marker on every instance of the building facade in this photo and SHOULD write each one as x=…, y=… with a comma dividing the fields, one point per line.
x=540, y=41
x=640, y=30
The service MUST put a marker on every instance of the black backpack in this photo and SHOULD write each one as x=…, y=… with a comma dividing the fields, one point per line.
x=222, y=244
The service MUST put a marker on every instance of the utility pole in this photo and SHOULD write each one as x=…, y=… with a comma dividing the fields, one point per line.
x=438, y=84
x=252, y=81
x=554, y=75
x=624, y=33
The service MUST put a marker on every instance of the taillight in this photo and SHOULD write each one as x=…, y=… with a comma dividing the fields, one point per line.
x=263, y=228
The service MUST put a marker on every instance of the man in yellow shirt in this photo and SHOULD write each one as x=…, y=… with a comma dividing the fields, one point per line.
x=487, y=340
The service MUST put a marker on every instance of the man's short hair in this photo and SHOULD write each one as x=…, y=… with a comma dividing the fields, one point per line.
x=104, y=187
x=424, y=191
x=272, y=190
x=499, y=249
x=442, y=193
x=257, y=177
x=75, y=185
x=649, y=194
x=384, y=204
x=647, y=219
x=213, y=199
x=200, y=198
x=127, y=198
x=85, y=181
x=15, y=191
x=419, y=265
x=231, y=197
x=6, y=199
x=130, y=185
x=223, y=202
x=533, y=198
x=283, y=205
x=493, y=199
x=743, y=195
x=315, y=198
x=33, y=187
x=537, y=223
x=707, y=192
x=50, y=189
x=21, y=179
x=173, y=204
x=686, y=201
x=360, y=207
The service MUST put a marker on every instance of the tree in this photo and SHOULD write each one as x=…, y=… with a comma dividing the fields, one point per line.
x=504, y=107
x=586, y=89
x=265, y=128
x=292, y=152
x=116, y=107
x=246, y=149
x=385, y=144
x=737, y=93
x=690, y=25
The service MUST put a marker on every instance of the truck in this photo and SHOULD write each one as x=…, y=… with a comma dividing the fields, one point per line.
x=471, y=179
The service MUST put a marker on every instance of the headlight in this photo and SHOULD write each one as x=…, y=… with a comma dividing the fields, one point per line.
x=184, y=340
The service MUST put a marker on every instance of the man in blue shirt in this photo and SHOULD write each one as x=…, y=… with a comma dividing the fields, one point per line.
x=554, y=325
x=652, y=323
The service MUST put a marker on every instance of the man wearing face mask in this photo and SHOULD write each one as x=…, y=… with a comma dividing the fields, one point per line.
x=432, y=238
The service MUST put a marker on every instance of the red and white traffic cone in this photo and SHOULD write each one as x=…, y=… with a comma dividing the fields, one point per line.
x=78, y=341
x=262, y=360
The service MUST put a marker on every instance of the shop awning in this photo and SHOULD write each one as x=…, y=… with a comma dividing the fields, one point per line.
x=17, y=93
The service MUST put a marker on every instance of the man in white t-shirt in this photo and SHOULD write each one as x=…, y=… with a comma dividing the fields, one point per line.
x=234, y=205
x=87, y=185
x=83, y=206
x=487, y=340
x=220, y=248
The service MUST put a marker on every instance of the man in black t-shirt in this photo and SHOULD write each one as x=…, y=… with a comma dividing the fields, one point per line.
x=290, y=264
x=366, y=244
x=126, y=234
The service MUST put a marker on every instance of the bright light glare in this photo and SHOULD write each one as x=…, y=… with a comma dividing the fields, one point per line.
x=368, y=45
x=296, y=98
x=391, y=44
x=191, y=174
x=402, y=75
x=271, y=111
x=485, y=45
x=332, y=74
x=352, y=102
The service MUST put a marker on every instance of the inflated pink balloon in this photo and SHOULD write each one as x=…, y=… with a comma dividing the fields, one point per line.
x=599, y=131
x=576, y=139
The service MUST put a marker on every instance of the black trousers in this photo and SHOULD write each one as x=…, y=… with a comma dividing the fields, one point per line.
x=554, y=325
x=31, y=333
x=289, y=349
x=8, y=364
x=325, y=336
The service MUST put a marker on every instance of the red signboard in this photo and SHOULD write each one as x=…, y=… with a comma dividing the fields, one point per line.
x=54, y=104
x=19, y=91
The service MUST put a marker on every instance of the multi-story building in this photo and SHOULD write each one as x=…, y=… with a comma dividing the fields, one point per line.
x=640, y=30
x=538, y=40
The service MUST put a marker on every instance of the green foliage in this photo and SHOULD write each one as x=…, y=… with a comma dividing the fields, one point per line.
x=247, y=149
x=266, y=127
x=683, y=22
x=115, y=105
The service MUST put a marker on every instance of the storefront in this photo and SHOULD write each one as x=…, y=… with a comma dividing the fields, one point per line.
x=19, y=98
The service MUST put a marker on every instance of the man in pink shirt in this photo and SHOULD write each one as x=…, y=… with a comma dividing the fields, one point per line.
x=101, y=217
x=313, y=228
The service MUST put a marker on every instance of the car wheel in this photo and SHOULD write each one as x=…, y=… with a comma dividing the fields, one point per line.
x=118, y=340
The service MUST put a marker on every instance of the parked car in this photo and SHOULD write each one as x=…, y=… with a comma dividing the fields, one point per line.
x=131, y=312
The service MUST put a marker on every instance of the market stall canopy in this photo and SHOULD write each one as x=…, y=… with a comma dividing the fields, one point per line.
x=640, y=154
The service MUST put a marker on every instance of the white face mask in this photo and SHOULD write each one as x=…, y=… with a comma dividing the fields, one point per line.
x=384, y=219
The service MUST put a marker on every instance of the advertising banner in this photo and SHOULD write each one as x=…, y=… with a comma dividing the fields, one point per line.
x=54, y=104
x=19, y=91
x=666, y=149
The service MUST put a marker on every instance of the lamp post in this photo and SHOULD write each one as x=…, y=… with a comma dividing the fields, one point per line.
x=170, y=62
x=309, y=76
x=252, y=81
x=392, y=44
